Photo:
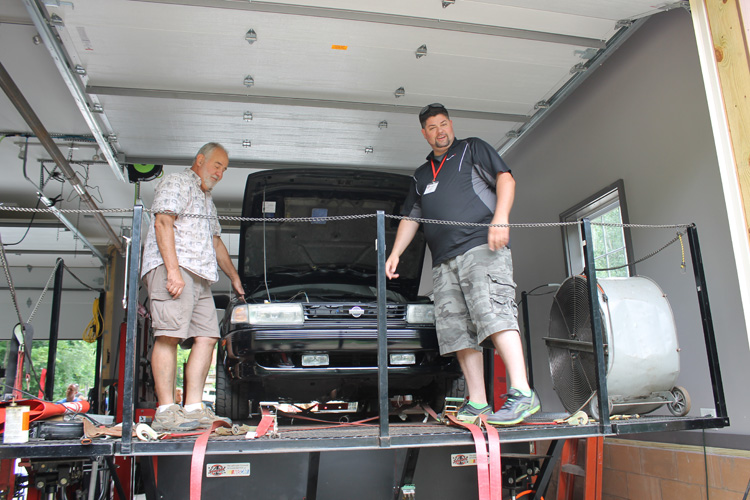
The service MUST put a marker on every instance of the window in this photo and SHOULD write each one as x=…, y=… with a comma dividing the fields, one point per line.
x=612, y=246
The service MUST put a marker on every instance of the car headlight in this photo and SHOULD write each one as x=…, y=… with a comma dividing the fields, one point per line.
x=268, y=314
x=420, y=314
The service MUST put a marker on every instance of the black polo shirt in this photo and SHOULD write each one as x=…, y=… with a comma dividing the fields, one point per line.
x=465, y=192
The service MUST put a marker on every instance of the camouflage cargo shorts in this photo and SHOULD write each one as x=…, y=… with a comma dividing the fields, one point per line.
x=474, y=298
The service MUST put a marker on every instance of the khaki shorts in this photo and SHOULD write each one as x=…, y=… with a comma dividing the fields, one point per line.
x=192, y=314
x=474, y=298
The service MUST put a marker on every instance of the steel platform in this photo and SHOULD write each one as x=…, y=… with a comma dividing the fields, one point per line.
x=323, y=437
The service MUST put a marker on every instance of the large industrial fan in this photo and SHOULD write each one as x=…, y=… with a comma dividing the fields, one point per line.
x=640, y=347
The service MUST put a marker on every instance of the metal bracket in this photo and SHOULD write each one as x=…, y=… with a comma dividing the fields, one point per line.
x=684, y=4
x=58, y=3
x=624, y=23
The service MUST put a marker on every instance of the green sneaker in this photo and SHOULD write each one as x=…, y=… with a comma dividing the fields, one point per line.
x=515, y=409
x=467, y=413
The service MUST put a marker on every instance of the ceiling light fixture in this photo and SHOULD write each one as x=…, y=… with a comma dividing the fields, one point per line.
x=400, y=92
x=249, y=82
x=421, y=51
x=246, y=143
x=369, y=149
x=251, y=36
x=248, y=116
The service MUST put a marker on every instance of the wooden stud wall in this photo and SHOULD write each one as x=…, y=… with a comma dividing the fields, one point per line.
x=733, y=64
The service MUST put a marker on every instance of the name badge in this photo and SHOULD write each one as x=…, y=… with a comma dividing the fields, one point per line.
x=431, y=187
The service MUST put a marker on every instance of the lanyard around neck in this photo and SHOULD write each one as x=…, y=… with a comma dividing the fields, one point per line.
x=435, y=173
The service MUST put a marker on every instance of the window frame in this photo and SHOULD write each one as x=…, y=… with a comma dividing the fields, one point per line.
x=592, y=207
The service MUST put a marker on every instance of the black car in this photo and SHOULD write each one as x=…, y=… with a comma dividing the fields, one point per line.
x=308, y=330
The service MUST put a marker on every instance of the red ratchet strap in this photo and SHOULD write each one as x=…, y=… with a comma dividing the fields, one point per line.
x=176, y=435
x=266, y=421
x=496, y=471
x=18, y=384
x=199, y=456
x=430, y=411
x=487, y=490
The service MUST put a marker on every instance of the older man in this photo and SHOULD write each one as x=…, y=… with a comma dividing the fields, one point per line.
x=465, y=180
x=180, y=257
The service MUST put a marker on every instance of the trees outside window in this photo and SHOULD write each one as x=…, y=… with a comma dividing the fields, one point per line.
x=612, y=246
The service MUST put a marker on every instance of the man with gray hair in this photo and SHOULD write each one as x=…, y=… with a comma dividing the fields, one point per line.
x=180, y=260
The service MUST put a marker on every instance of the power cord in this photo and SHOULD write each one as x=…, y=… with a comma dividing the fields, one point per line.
x=94, y=329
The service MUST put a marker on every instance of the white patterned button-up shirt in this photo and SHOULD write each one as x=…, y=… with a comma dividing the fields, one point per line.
x=181, y=193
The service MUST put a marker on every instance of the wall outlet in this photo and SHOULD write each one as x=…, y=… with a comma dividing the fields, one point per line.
x=708, y=412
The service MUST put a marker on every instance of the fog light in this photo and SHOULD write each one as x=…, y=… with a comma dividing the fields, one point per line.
x=420, y=314
x=315, y=360
x=403, y=359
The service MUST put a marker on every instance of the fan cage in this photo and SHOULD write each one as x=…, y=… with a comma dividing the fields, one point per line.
x=573, y=370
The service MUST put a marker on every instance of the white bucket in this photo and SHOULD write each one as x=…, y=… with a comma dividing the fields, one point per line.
x=16, y=424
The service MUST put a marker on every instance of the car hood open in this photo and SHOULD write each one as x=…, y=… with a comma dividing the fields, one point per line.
x=276, y=253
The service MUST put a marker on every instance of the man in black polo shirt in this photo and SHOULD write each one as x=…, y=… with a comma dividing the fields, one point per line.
x=465, y=180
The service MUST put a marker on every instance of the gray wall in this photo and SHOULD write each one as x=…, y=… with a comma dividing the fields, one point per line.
x=641, y=117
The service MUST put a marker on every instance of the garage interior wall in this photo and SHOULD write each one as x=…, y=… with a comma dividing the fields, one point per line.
x=642, y=118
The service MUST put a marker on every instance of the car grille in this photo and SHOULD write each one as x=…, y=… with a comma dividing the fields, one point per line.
x=363, y=312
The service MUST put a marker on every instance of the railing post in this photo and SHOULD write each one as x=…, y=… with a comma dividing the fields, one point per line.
x=527, y=338
x=382, y=333
x=708, y=325
x=133, y=269
x=596, y=329
x=54, y=330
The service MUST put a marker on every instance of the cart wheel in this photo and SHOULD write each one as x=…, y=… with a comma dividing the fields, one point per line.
x=526, y=495
x=681, y=404
x=594, y=408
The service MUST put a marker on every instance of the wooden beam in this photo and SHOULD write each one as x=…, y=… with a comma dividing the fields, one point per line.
x=733, y=64
x=723, y=55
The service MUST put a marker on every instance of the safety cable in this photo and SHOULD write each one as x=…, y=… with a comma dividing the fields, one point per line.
x=705, y=463
x=81, y=282
x=629, y=264
x=12, y=289
x=44, y=290
x=351, y=217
